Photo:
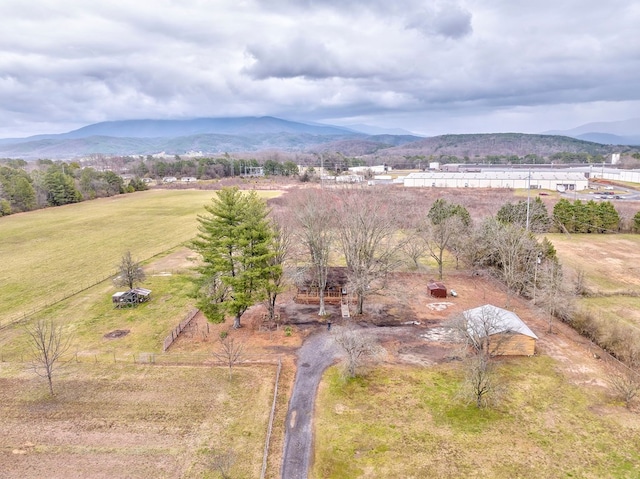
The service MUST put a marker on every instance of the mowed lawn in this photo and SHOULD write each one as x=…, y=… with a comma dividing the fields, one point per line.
x=410, y=422
x=48, y=253
x=134, y=421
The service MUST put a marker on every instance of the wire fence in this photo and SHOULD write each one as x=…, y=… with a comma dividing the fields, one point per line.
x=51, y=301
x=53, y=298
x=265, y=455
x=116, y=356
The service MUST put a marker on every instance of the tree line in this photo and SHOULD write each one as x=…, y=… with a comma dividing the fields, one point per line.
x=250, y=250
x=26, y=187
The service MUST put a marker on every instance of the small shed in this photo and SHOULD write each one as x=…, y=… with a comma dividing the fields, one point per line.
x=499, y=330
x=436, y=289
x=131, y=298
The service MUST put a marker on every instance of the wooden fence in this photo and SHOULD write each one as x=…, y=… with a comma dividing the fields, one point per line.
x=168, y=341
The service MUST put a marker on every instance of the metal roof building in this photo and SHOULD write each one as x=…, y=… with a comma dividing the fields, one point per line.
x=546, y=180
x=503, y=332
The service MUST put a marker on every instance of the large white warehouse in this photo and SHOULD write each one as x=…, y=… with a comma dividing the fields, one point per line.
x=546, y=180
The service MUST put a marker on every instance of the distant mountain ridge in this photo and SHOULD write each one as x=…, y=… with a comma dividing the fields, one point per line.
x=624, y=132
x=245, y=135
x=198, y=126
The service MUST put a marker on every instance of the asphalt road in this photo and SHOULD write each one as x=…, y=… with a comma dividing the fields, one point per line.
x=317, y=353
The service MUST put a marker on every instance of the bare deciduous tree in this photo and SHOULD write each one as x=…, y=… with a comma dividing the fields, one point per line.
x=314, y=220
x=414, y=246
x=222, y=462
x=129, y=272
x=48, y=343
x=447, y=222
x=229, y=353
x=367, y=231
x=282, y=238
x=625, y=384
x=512, y=253
x=553, y=297
x=481, y=383
x=358, y=348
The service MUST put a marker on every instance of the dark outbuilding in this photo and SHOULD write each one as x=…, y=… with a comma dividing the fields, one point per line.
x=436, y=289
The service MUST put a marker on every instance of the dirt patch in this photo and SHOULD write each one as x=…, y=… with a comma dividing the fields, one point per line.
x=416, y=325
x=181, y=260
x=118, y=333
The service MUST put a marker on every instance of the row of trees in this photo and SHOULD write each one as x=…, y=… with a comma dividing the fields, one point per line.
x=568, y=216
x=55, y=184
x=586, y=217
x=246, y=249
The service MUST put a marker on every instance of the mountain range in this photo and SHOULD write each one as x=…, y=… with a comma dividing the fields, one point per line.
x=252, y=134
x=625, y=132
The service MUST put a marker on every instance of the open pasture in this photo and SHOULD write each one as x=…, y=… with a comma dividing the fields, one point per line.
x=47, y=254
x=610, y=267
x=410, y=422
x=610, y=263
x=135, y=421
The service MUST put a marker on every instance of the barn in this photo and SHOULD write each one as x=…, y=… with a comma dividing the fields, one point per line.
x=436, y=289
x=500, y=331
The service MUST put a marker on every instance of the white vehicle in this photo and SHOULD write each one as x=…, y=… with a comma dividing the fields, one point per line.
x=608, y=187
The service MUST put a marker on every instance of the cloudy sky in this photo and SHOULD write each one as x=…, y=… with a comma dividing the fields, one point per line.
x=430, y=67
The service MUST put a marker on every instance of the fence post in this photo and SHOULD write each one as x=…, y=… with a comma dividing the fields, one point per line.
x=271, y=416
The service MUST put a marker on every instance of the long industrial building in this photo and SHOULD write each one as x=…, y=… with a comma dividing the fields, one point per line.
x=546, y=180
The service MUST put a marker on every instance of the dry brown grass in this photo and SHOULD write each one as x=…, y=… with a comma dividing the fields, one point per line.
x=133, y=421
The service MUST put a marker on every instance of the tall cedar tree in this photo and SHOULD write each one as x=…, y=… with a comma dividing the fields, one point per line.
x=235, y=241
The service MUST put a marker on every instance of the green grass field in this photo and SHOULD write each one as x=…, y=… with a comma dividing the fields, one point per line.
x=48, y=253
x=411, y=422
x=135, y=421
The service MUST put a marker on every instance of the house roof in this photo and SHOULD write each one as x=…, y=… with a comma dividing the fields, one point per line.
x=488, y=320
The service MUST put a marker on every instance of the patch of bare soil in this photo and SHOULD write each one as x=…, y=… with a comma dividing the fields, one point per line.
x=118, y=333
x=417, y=325
x=180, y=260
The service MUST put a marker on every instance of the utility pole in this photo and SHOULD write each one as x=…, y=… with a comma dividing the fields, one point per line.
x=528, y=195
x=535, y=275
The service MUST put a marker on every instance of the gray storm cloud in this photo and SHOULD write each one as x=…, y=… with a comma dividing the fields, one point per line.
x=451, y=64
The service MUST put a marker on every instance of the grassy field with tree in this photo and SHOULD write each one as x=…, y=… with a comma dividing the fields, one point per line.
x=110, y=411
x=49, y=253
x=403, y=421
